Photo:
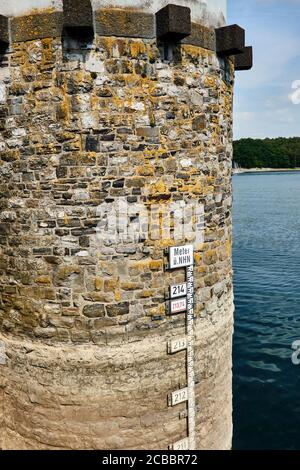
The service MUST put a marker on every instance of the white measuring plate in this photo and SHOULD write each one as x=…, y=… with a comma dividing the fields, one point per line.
x=178, y=306
x=183, y=444
x=178, y=290
x=181, y=256
x=179, y=396
x=177, y=345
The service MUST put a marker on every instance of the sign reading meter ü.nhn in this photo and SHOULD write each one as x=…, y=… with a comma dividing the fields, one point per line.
x=181, y=256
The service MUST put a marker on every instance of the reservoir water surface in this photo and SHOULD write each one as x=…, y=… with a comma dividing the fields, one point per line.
x=267, y=318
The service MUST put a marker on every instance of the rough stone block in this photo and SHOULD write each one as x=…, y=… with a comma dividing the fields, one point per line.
x=118, y=309
x=202, y=37
x=244, y=61
x=4, y=37
x=38, y=26
x=173, y=22
x=78, y=13
x=199, y=123
x=94, y=311
x=124, y=23
x=78, y=19
x=148, y=132
x=92, y=144
x=230, y=40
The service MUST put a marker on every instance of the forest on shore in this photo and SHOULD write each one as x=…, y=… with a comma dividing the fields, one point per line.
x=267, y=153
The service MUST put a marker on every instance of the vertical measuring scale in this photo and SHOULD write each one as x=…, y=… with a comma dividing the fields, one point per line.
x=190, y=358
x=179, y=257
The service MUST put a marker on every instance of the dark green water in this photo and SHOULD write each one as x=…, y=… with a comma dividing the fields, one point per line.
x=267, y=319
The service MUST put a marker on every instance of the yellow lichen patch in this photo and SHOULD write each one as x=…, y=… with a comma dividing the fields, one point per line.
x=229, y=247
x=137, y=48
x=47, y=50
x=210, y=180
x=64, y=106
x=159, y=187
x=146, y=170
x=110, y=284
x=66, y=219
x=155, y=265
x=194, y=52
x=157, y=311
x=165, y=242
x=150, y=53
x=142, y=265
x=99, y=283
x=196, y=188
x=43, y=11
x=107, y=43
x=147, y=293
x=150, y=153
x=132, y=80
x=214, y=120
x=119, y=102
x=198, y=258
x=199, y=246
x=65, y=271
x=128, y=285
x=118, y=296
x=228, y=103
x=210, y=82
x=94, y=101
x=28, y=71
x=210, y=257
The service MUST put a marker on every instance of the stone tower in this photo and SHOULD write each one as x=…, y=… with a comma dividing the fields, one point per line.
x=107, y=104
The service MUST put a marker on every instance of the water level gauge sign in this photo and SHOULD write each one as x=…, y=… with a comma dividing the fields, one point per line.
x=183, y=444
x=178, y=290
x=178, y=306
x=181, y=256
x=177, y=345
x=179, y=396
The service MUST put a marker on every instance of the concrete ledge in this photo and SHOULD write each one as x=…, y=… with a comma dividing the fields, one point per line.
x=39, y=26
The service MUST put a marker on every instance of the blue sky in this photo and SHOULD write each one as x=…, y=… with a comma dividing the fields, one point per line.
x=263, y=106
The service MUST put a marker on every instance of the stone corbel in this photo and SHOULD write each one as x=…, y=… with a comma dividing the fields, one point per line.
x=4, y=32
x=78, y=18
x=173, y=23
x=230, y=40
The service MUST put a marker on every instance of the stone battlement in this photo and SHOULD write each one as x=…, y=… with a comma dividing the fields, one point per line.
x=207, y=12
x=107, y=22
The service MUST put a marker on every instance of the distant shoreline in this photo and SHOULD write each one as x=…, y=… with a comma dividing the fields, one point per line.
x=263, y=170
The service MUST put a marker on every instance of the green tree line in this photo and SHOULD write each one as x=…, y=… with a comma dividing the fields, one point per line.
x=267, y=153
